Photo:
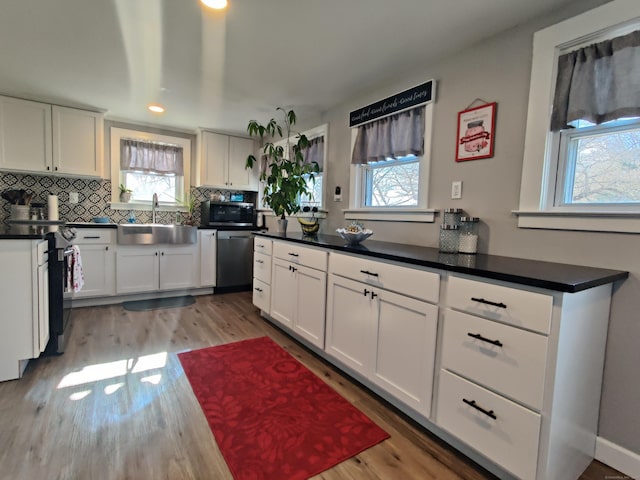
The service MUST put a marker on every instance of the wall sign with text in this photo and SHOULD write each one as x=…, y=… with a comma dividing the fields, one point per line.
x=476, y=132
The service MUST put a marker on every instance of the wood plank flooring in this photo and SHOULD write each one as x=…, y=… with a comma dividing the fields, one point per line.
x=117, y=404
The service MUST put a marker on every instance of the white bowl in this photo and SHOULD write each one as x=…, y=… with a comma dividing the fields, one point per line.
x=354, y=237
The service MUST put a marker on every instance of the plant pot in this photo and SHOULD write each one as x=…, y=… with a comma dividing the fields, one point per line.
x=282, y=225
x=125, y=197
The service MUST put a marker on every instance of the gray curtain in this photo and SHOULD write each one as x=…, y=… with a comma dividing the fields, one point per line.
x=151, y=157
x=598, y=83
x=390, y=137
x=315, y=151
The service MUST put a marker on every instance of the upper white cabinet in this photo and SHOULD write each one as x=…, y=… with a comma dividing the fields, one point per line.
x=222, y=160
x=41, y=138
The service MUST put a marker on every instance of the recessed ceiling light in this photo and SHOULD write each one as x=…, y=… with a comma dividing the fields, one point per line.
x=217, y=4
x=155, y=108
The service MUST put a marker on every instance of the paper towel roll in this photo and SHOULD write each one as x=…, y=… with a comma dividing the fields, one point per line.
x=52, y=207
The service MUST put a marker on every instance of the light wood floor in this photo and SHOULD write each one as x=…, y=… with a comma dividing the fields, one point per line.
x=117, y=405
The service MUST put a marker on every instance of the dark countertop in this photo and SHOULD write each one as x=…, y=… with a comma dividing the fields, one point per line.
x=553, y=276
x=115, y=225
x=26, y=232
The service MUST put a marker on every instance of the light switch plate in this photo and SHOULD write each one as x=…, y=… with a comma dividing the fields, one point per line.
x=456, y=190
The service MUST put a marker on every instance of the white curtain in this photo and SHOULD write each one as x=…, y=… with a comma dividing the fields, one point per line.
x=151, y=157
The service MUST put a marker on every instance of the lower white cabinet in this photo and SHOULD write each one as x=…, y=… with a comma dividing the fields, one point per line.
x=156, y=267
x=298, y=288
x=97, y=250
x=208, y=241
x=24, y=295
x=386, y=337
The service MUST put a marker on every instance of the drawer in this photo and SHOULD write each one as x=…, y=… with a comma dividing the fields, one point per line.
x=504, y=304
x=261, y=295
x=413, y=282
x=309, y=257
x=41, y=251
x=88, y=236
x=515, y=368
x=262, y=267
x=262, y=245
x=510, y=439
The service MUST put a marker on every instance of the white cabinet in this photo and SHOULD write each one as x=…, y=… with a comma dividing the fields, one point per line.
x=386, y=337
x=207, y=240
x=222, y=160
x=298, y=290
x=521, y=371
x=262, y=268
x=41, y=138
x=97, y=250
x=24, y=296
x=156, y=267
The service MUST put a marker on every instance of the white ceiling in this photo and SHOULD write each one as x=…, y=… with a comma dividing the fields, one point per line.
x=220, y=70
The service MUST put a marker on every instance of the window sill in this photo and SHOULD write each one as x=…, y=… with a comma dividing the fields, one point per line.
x=142, y=206
x=391, y=214
x=622, y=222
x=318, y=214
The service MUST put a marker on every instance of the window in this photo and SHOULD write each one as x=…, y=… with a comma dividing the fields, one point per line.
x=392, y=182
x=149, y=163
x=392, y=189
x=581, y=171
x=599, y=165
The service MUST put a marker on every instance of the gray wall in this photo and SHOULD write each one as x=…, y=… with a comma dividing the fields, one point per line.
x=498, y=70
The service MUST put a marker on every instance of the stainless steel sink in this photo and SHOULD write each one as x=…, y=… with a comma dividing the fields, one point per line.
x=156, y=233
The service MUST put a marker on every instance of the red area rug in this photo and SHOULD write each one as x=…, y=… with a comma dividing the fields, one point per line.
x=271, y=417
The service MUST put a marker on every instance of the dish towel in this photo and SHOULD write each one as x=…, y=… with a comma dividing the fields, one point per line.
x=77, y=277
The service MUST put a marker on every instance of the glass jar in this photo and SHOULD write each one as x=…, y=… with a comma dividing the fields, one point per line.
x=452, y=216
x=468, y=241
x=449, y=238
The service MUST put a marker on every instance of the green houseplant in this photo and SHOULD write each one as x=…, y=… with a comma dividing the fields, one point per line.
x=286, y=168
x=125, y=193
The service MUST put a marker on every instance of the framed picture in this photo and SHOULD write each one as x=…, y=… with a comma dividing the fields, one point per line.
x=476, y=132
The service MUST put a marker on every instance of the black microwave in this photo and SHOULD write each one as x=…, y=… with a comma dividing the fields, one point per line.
x=228, y=214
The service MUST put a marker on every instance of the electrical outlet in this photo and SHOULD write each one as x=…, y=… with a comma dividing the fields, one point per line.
x=73, y=197
x=456, y=190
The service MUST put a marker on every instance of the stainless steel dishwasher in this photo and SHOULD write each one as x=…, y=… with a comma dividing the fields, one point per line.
x=234, y=258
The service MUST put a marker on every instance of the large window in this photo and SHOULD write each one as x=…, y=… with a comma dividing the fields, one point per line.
x=148, y=163
x=389, y=176
x=581, y=167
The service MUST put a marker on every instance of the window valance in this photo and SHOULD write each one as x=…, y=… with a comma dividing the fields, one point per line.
x=151, y=157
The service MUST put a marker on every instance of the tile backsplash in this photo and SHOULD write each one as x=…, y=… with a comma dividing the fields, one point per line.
x=94, y=198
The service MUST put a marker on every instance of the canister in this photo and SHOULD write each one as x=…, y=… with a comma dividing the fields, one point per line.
x=468, y=239
x=449, y=238
x=452, y=216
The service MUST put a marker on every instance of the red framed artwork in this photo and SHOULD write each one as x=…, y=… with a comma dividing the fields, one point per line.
x=476, y=132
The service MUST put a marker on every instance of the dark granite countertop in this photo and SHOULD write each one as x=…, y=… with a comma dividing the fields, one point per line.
x=26, y=232
x=553, y=276
x=115, y=225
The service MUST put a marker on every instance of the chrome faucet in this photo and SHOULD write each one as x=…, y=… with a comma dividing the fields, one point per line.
x=154, y=206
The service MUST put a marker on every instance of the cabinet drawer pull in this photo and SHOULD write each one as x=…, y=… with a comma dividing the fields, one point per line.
x=294, y=254
x=91, y=238
x=258, y=289
x=497, y=343
x=259, y=261
x=487, y=302
x=367, y=272
x=259, y=246
x=488, y=413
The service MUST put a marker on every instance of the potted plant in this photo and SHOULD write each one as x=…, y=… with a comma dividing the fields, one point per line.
x=190, y=204
x=125, y=193
x=284, y=176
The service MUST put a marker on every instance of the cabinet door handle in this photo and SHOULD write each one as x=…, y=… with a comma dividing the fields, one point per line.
x=55, y=168
x=373, y=295
x=48, y=167
x=294, y=254
x=488, y=413
x=259, y=261
x=162, y=254
x=367, y=272
x=106, y=248
x=292, y=268
x=366, y=292
x=487, y=302
x=497, y=343
x=258, y=289
x=156, y=254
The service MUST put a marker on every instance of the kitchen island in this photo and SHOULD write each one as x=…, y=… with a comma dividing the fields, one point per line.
x=501, y=357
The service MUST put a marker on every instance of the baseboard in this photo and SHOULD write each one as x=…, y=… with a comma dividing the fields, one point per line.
x=618, y=457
